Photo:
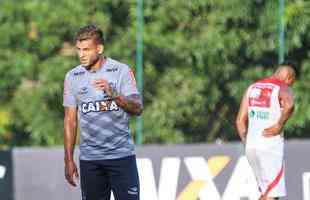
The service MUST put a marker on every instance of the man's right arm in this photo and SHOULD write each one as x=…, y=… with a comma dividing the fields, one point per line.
x=242, y=118
x=70, y=127
x=70, y=124
x=70, y=132
x=287, y=104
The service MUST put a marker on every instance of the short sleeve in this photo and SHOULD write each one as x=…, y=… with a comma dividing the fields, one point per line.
x=69, y=99
x=128, y=83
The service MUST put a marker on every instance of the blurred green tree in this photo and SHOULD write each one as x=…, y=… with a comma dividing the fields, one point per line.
x=199, y=57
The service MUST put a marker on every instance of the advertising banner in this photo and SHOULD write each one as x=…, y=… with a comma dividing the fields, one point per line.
x=215, y=172
x=176, y=172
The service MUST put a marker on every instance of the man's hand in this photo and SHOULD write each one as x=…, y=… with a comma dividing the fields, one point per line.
x=272, y=130
x=101, y=84
x=71, y=172
x=129, y=104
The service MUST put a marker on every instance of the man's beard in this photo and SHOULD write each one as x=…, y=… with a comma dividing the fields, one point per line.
x=89, y=66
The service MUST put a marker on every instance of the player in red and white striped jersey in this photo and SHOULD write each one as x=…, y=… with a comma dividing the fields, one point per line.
x=266, y=106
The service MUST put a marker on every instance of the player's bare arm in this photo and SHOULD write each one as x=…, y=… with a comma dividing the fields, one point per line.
x=287, y=104
x=70, y=127
x=130, y=104
x=242, y=118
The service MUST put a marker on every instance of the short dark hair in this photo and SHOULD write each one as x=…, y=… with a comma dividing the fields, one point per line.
x=290, y=63
x=90, y=31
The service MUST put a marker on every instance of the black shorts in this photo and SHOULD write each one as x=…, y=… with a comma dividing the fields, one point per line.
x=99, y=177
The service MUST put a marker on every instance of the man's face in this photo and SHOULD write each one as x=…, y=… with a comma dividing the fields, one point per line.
x=88, y=51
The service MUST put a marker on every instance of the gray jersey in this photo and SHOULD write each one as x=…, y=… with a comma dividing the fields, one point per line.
x=104, y=126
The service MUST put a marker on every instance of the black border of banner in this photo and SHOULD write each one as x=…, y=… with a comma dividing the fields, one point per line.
x=6, y=183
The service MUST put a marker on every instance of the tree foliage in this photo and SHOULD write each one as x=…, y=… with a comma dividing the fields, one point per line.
x=199, y=57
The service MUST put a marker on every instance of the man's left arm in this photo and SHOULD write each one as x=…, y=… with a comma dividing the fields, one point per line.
x=131, y=104
x=287, y=104
x=129, y=98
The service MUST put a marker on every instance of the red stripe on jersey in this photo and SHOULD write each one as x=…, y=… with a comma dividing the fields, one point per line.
x=273, y=81
x=274, y=183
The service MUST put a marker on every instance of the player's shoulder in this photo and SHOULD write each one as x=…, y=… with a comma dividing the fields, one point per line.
x=76, y=71
x=272, y=80
x=115, y=65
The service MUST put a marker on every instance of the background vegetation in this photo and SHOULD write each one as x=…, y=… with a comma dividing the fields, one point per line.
x=199, y=56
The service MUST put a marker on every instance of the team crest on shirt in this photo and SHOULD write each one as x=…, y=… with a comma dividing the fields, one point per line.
x=83, y=90
x=99, y=106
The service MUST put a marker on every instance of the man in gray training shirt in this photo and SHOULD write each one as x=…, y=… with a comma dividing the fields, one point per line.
x=100, y=95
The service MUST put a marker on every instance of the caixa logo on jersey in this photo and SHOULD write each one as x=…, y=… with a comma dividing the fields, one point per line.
x=99, y=106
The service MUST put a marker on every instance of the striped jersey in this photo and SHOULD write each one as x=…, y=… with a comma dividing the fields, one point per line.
x=264, y=110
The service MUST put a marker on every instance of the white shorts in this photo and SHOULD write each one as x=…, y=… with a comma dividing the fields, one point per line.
x=268, y=168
